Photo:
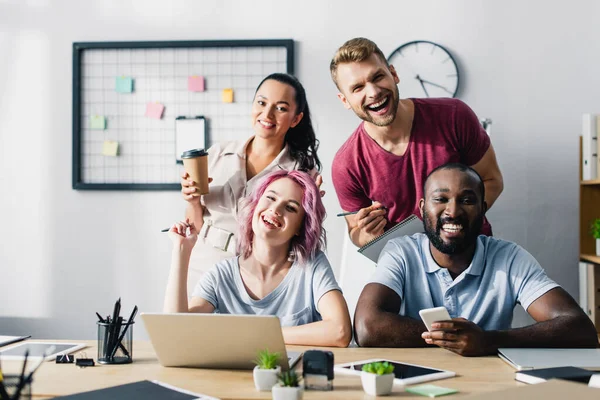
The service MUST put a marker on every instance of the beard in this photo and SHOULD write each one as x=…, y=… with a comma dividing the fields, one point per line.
x=455, y=245
x=363, y=112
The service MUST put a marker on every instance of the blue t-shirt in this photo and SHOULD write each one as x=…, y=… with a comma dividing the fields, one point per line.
x=500, y=275
x=294, y=300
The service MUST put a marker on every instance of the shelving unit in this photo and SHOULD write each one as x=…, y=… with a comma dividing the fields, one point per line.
x=589, y=209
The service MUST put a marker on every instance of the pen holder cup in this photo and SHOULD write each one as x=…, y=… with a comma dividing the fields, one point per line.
x=11, y=383
x=115, y=343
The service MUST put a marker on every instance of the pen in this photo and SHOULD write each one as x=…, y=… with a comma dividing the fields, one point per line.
x=168, y=229
x=100, y=317
x=102, y=320
x=129, y=322
x=112, y=334
x=3, y=394
x=356, y=212
x=22, y=377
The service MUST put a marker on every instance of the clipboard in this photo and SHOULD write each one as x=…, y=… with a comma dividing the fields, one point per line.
x=190, y=133
x=406, y=227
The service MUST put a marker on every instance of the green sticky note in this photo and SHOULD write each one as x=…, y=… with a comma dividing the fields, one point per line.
x=124, y=84
x=430, y=390
x=97, y=122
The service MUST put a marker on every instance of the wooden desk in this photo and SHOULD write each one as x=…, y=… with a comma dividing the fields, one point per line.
x=475, y=375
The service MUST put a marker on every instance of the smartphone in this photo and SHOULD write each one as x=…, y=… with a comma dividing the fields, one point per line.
x=431, y=315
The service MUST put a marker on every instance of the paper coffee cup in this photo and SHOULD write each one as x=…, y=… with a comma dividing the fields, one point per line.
x=195, y=163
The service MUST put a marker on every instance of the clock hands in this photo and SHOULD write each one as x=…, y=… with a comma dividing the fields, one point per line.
x=423, y=86
x=422, y=81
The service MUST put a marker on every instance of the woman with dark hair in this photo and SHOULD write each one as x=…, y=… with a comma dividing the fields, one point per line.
x=281, y=269
x=283, y=139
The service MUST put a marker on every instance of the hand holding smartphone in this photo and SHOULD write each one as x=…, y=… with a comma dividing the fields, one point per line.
x=431, y=315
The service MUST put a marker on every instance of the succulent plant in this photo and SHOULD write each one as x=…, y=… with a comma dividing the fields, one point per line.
x=267, y=360
x=379, y=368
x=289, y=378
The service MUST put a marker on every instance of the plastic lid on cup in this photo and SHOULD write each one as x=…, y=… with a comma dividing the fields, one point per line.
x=194, y=153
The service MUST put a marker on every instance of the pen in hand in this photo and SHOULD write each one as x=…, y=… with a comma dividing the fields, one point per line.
x=168, y=229
x=355, y=212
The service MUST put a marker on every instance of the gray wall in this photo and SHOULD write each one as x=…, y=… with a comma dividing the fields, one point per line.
x=530, y=66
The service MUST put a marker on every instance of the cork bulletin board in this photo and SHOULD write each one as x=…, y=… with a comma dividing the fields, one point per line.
x=128, y=95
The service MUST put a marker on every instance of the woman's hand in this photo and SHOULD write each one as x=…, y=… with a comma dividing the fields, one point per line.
x=184, y=235
x=188, y=190
x=319, y=182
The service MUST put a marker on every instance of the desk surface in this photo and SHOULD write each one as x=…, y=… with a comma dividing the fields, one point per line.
x=474, y=375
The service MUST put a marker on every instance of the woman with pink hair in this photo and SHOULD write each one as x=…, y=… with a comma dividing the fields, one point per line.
x=281, y=269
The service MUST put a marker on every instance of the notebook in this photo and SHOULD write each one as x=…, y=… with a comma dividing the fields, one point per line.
x=523, y=359
x=406, y=227
x=139, y=390
x=542, y=375
x=222, y=341
x=552, y=390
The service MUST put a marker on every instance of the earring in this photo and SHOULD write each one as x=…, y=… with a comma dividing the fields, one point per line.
x=291, y=256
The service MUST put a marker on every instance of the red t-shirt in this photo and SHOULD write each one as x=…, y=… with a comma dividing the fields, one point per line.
x=443, y=130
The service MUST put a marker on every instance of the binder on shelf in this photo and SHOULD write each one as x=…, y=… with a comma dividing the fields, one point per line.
x=593, y=293
x=583, y=286
x=589, y=132
x=589, y=291
x=597, y=146
x=406, y=227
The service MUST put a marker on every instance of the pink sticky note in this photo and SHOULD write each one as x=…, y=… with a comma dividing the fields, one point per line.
x=154, y=110
x=196, y=83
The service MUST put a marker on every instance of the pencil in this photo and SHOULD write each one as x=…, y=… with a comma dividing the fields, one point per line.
x=347, y=213
x=355, y=212
x=165, y=230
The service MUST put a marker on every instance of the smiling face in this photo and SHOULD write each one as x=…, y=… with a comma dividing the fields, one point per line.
x=274, y=110
x=279, y=214
x=369, y=89
x=452, y=210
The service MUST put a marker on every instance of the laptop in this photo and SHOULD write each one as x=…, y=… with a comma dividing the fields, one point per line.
x=221, y=341
x=523, y=359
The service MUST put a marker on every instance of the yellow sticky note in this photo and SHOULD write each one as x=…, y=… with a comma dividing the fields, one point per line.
x=110, y=148
x=97, y=122
x=227, y=95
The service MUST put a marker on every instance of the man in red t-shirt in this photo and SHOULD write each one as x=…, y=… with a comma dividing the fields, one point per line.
x=380, y=170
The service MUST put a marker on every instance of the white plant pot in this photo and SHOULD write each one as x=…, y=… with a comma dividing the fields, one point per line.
x=265, y=379
x=598, y=247
x=287, y=393
x=377, y=385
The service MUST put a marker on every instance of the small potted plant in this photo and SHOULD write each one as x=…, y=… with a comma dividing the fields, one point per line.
x=266, y=370
x=595, y=231
x=288, y=387
x=377, y=378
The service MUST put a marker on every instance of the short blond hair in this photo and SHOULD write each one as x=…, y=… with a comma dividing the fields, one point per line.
x=354, y=50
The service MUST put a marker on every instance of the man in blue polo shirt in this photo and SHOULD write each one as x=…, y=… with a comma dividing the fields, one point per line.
x=479, y=279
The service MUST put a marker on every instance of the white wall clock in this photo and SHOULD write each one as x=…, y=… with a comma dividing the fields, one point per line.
x=425, y=69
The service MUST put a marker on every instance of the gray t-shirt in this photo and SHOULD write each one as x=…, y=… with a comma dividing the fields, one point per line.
x=294, y=301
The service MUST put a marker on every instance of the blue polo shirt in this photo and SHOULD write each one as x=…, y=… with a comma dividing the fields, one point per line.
x=501, y=275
